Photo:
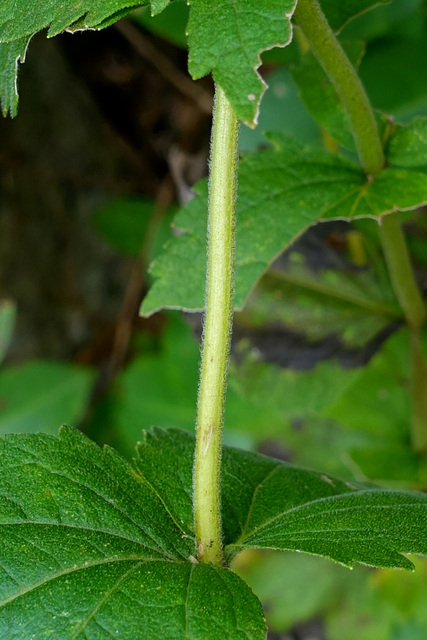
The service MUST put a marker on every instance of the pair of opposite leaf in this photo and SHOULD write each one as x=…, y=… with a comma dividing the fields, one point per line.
x=94, y=548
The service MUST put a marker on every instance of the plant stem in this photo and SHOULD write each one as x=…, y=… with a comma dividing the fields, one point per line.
x=409, y=296
x=419, y=395
x=347, y=84
x=400, y=270
x=217, y=330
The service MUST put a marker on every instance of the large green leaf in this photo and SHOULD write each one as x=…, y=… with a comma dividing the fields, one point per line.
x=88, y=550
x=41, y=395
x=282, y=190
x=269, y=504
x=226, y=37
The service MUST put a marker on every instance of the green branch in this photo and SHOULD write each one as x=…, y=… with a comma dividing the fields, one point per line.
x=347, y=84
x=409, y=296
x=400, y=270
x=217, y=330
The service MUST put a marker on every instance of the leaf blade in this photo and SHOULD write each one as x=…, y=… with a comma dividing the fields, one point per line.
x=226, y=37
x=282, y=191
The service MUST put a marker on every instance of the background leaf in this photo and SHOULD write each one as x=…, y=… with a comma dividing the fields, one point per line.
x=123, y=223
x=171, y=23
x=41, y=396
x=408, y=145
x=319, y=95
x=7, y=322
x=339, y=12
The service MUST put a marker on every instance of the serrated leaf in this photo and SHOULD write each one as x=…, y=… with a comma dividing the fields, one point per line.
x=226, y=37
x=41, y=395
x=339, y=12
x=21, y=18
x=281, y=192
x=89, y=551
x=7, y=322
x=157, y=6
x=269, y=504
x=11, y=54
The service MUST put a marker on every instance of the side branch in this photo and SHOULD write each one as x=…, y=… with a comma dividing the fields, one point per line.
x=343, y=76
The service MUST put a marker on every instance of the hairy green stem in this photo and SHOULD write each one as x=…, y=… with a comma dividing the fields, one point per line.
x=217, y=330
x=409, y=296
x=342, y=74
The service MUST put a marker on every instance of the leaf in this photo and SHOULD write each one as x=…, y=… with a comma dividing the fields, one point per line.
x=383, y=418
x=226, y=37
x=40, y=396
x=170, y=23
x=89, y=551
x=292, y=394
x=339, y=12
x=396, y=62
x=7, y=322
x=268, y=504
x=282, y=110
x=366, y=440
x=351, y=304
x=408, y=145
x=123, y=222
x=281, y=192
x=388, y=20
x=281, y=582
x=11, y=54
